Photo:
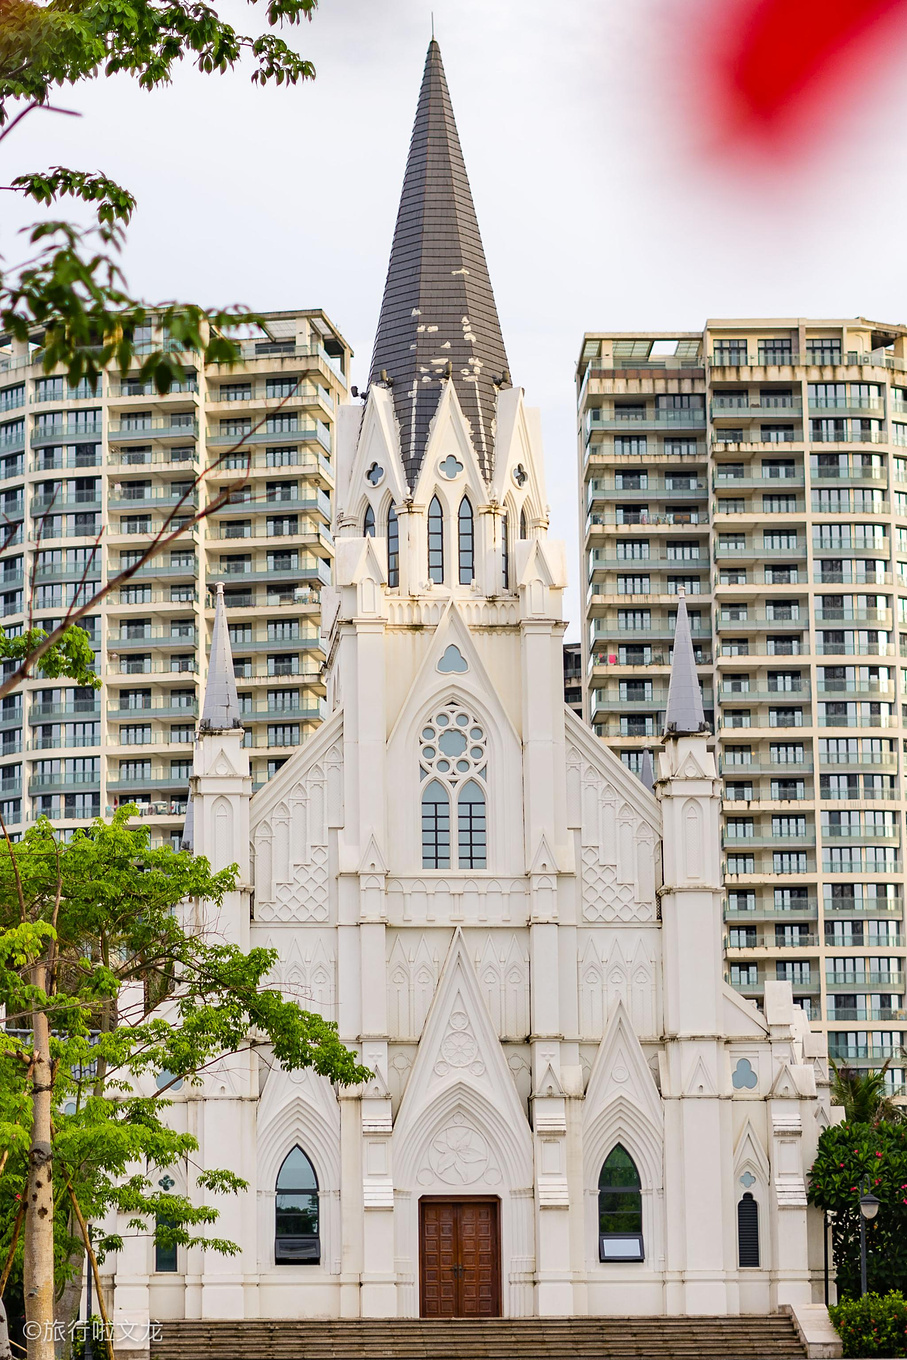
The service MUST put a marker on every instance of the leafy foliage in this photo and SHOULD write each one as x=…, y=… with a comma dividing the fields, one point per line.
x=71, y=656
x=70, y=294
x=137, y=986
x=874, y=1325
x=849, y=1157
x=863, y=1095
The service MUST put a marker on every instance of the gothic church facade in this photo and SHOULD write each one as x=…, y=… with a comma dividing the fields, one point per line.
x=570, y=1112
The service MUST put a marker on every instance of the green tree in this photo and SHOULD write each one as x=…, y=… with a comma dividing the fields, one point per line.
x=70, y=292
x=109, y=978
x=863, y=1095
x=850, y=1157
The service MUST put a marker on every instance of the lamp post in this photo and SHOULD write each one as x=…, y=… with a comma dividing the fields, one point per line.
x=869, y=1207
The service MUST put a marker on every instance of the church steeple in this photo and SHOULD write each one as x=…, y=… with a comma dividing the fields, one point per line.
x=438, y=317
x=684, y=714
x=220, y=711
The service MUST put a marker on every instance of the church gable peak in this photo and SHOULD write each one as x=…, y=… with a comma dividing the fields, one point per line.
x=450, y=463
x=459, y=1047
x=621, y=1072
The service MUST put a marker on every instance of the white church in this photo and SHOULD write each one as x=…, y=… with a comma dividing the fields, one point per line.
x=571, y=1112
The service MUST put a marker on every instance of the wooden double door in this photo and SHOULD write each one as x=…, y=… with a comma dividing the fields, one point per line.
x=459, y=1257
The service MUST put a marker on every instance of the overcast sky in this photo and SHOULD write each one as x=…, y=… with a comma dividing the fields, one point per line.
x=595, y=209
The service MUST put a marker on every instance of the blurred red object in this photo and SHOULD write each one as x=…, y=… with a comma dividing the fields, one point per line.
x=771, y=68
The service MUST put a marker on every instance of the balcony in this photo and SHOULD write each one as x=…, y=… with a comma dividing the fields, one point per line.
x=669, y=520
x=808, y=910
x=153, y=637
x=890, y=982
x=74, y=783
x=137, y=432
x=185, y=712
x=885, y=835
x=156, y=498
x=240, y=438
x=66, y=432
x=88, y=708
x=61, y=458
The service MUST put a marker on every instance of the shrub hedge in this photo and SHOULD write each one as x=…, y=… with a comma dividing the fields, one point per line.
x=874, y=1325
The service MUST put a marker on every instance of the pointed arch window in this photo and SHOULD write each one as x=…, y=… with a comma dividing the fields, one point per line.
x=505, y=553
x=393, y=548
x=296, y=1226
x=368, y=524
x=748, y=1231
x=524, y=527
x=165, y=1247
x=453, y=765
x=466, y=542
x=472, y=837
x=436, y=541
x=619, y=1208
x=435, y=827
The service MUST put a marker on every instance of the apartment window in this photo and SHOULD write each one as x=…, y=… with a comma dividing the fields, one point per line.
x=236, y=425
x=185, y=732
x=287, y=699
x=729, y=435
x=789, y=826
x=238, y=391
x=741, y=864
x=691, y=585
x=634, y=620
x=730, y=472
x=776, y=434
x=736, y=577
x=287, y=560
x=181, y=698
x=283, y=734
x=284, y=456
x=135, y=736
x=135, y=770
x=629, y=444
x=633, y=548
x=823, y=351
x=135, y=524
x=740, y=828
x=785, y=717
x=738, y=793
x=788, y=754
x=735, y=647
x=738, y=755
x=633, y=585
x=789, y=862
x=628, y=411
x=283, y=422
x=282, y=526
x=744, y=900
x=779, y=505
x=744, y=975
x=679, y=447
x=788, y=790
x=682, y=551
x=726, y=352
x=775, y=539
x=775, y=351
x=634, y=656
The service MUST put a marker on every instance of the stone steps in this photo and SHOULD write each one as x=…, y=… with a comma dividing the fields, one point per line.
x=610, y=1338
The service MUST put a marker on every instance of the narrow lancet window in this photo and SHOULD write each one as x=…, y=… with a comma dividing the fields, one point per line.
x=393, y=548
x=505, y=553
x=466, y=543
x=471, y=827
x=296, y=1234
x=524, y=527
x=436, y=541
x=435, y=827
x=619, y=1208
x=368, y=525
x=748, y=1231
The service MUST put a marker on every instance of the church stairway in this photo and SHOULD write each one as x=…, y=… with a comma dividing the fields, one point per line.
x=610, y=1338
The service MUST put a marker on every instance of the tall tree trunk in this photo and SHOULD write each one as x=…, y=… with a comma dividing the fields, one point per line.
x=38, y=1264
x=67, y=1305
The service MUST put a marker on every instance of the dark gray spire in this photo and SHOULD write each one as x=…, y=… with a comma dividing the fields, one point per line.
x=438, y=316
x=684, y=714
x=220, y=711
x=647, y=770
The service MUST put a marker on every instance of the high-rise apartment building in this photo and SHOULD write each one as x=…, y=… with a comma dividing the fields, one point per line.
x=760, y=466
x=88, y=477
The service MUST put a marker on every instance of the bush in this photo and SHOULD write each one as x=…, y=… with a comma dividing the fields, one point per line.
x=849, y=1159
x=874, y=1325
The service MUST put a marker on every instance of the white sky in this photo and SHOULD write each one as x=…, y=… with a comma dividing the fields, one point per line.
x=595, y=211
